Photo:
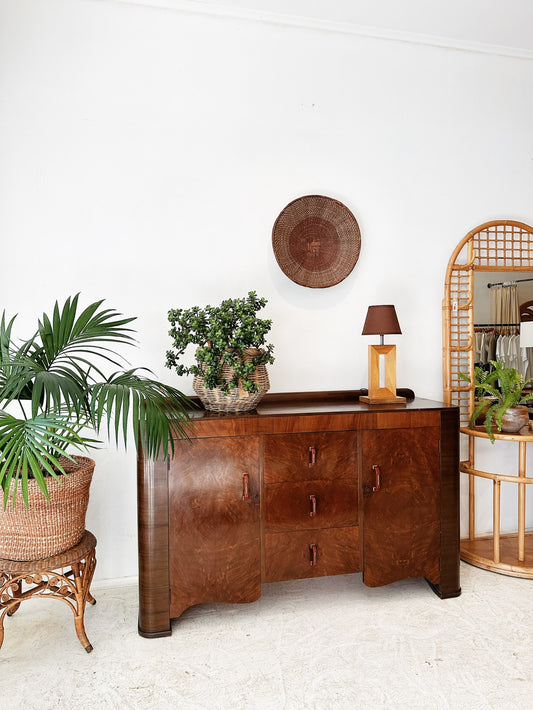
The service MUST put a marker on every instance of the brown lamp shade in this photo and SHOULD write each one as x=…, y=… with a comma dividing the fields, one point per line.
x=381, y=320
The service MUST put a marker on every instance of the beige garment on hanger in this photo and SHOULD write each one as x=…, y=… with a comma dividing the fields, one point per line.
x=504, y=306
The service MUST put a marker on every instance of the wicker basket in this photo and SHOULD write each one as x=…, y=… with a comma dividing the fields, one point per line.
x=316, y=241
x=238, y=399
x=47, y=527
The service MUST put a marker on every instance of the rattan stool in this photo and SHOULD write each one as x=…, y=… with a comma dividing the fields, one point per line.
x=66, y=576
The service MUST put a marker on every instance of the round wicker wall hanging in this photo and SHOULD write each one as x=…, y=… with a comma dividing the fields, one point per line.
x=316, y=241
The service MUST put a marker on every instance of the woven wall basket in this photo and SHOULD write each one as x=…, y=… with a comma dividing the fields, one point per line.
x=47, y=528
x=238, y=399
x=316, y=241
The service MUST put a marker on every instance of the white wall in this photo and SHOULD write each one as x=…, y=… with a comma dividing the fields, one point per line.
x=146, y=153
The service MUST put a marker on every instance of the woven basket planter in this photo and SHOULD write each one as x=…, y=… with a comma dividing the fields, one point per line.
x=47, y=527
x=238, y=399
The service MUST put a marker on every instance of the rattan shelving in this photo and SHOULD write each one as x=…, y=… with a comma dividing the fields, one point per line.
x=504, y=246
x=507, y=554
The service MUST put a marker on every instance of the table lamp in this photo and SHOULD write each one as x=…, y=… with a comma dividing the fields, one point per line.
x=381, y=320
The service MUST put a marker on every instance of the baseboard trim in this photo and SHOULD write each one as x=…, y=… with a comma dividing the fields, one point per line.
x=114, y=582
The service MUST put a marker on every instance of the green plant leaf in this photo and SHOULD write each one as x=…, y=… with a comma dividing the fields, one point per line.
x=158, y=410
x=36, y=444
x=221, y=334
x=59, y=370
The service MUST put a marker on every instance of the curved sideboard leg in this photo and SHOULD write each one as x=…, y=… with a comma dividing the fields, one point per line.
x=154, y=583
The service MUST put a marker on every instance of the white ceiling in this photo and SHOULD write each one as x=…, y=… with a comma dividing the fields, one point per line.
x=498, y=23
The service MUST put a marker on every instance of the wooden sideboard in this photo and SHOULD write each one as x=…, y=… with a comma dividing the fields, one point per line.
x=309, y=484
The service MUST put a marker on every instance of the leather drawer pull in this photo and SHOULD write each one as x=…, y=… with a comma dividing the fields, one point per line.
x=377, y=471
x=245, y=487
x=312, y=501
x=313, y=554
x=377, y=485
x=312, y=456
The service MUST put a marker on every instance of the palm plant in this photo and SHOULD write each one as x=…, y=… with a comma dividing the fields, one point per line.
x=57, y=380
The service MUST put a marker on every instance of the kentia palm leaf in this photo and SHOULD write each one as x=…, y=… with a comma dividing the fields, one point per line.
x=34, y=446
x=157, y=410
x=69, y=344
x=59, y=370
x=70, y=336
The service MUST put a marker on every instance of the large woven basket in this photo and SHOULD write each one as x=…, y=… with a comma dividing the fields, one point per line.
x=47, y=527
x=238, y=399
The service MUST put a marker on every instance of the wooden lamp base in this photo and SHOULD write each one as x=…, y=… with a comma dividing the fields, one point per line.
x=376, y=393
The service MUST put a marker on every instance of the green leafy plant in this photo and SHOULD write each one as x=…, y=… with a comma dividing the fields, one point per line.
x=504, y=386
x=221, y=333
x=52, y=390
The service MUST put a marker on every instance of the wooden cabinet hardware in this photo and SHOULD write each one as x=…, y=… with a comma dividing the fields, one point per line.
x=313, y=554
x=377, y=472
x=312, y=501
x=312, y=456
x=246, y=486
x=377, y=481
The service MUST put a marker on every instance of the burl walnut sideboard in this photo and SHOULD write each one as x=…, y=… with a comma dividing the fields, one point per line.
x=309, y=484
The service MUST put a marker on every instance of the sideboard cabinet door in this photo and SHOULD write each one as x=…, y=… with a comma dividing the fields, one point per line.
x=401, y=505
x=214, y=522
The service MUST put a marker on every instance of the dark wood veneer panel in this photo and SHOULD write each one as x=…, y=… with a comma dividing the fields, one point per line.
x=214, y=542
x=287, y=555
x=287, y=506
x=152, y=516
x=318, y=411
x=289, y=457
x=402, y=519
x=450, y=584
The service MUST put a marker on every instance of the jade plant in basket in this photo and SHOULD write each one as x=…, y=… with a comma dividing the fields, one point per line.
x=54, y=396
x=500, y=394
x=232, y=353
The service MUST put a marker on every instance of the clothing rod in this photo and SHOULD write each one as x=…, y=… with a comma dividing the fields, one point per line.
x=495, y=325
x=508, y=283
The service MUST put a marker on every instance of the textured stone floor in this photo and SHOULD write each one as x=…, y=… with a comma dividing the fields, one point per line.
x=320, y=644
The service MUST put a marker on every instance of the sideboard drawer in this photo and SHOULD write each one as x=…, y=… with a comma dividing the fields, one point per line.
x=311, y=553
x=301, y=457
x=310, y=505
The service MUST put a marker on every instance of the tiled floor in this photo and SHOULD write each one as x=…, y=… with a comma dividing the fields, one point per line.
x=320, y=644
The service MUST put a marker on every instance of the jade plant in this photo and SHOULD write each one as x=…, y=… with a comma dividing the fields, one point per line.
x=501, y=388
x=221, y=334
x=54, y=393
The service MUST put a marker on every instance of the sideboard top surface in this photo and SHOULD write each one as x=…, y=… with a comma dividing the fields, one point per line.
x=305, y=411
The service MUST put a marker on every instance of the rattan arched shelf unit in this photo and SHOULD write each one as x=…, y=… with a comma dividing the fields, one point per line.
x=493, y=246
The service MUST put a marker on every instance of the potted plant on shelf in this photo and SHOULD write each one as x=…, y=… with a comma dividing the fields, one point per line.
x=504, y=387
x=481, y=375
x=232, y=353
x=53, y=395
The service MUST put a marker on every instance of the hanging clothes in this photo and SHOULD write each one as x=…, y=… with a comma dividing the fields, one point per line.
x=505, y=318
x=490, y=344
x=504, y=306
x=485, y=345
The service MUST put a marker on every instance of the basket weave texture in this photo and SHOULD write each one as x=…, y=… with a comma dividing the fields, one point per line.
x=238, y=399
x=316, y=241
x=48, y=527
